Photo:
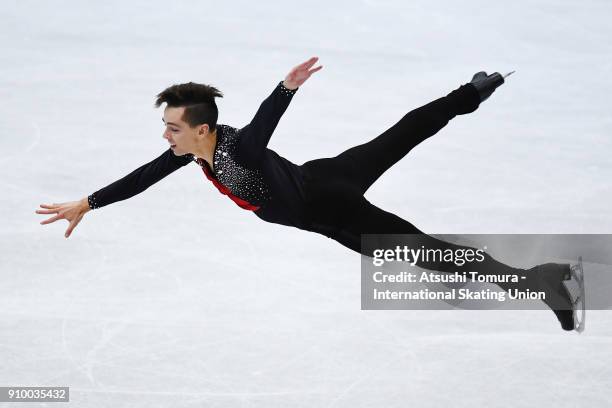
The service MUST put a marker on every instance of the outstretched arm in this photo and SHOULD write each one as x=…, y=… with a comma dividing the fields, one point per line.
x=256, y=135
x=139, y=180
x=124, y=188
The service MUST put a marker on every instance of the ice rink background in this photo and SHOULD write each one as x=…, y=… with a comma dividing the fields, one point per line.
x=178, y=298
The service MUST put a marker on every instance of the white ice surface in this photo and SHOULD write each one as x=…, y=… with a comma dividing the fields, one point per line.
x=178, y=298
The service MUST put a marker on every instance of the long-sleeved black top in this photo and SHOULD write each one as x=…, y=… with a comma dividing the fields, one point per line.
x=254, y=177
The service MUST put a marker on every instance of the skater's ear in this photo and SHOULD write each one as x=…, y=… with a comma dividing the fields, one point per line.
x=204, y=129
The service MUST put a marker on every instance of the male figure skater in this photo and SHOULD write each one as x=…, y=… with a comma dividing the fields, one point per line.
x=324, y=195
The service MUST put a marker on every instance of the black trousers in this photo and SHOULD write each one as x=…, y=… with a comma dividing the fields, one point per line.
x=335, y=186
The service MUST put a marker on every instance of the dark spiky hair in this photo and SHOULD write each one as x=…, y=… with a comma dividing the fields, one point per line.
x=198, y=100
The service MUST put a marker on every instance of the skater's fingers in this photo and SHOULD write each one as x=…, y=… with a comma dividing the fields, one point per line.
x=312, y=71
x=52, y=219
x=310, y=62
x=72, y=226
x=307, y=64
x=48, y=206
x=47, y=211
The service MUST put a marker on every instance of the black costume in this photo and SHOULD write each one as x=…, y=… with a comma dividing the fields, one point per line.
x=324, y=195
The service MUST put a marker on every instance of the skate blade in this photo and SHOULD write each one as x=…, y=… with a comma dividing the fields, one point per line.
x=508, y=74
x=579, y=303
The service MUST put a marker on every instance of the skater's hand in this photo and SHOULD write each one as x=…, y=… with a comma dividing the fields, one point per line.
x=72, y=211
x=300, y=73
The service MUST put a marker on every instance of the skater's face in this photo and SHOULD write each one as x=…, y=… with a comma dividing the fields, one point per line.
x=181, y=137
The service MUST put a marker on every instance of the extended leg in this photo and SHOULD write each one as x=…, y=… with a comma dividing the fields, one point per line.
x=391, y=230
x=338, y=210
x=362, y=165
x=355, y=216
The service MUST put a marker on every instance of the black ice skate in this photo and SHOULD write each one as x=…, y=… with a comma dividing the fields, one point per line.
x=486, y=84
x=554, y=279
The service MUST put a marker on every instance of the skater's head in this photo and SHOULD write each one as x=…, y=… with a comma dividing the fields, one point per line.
x=190, y=115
